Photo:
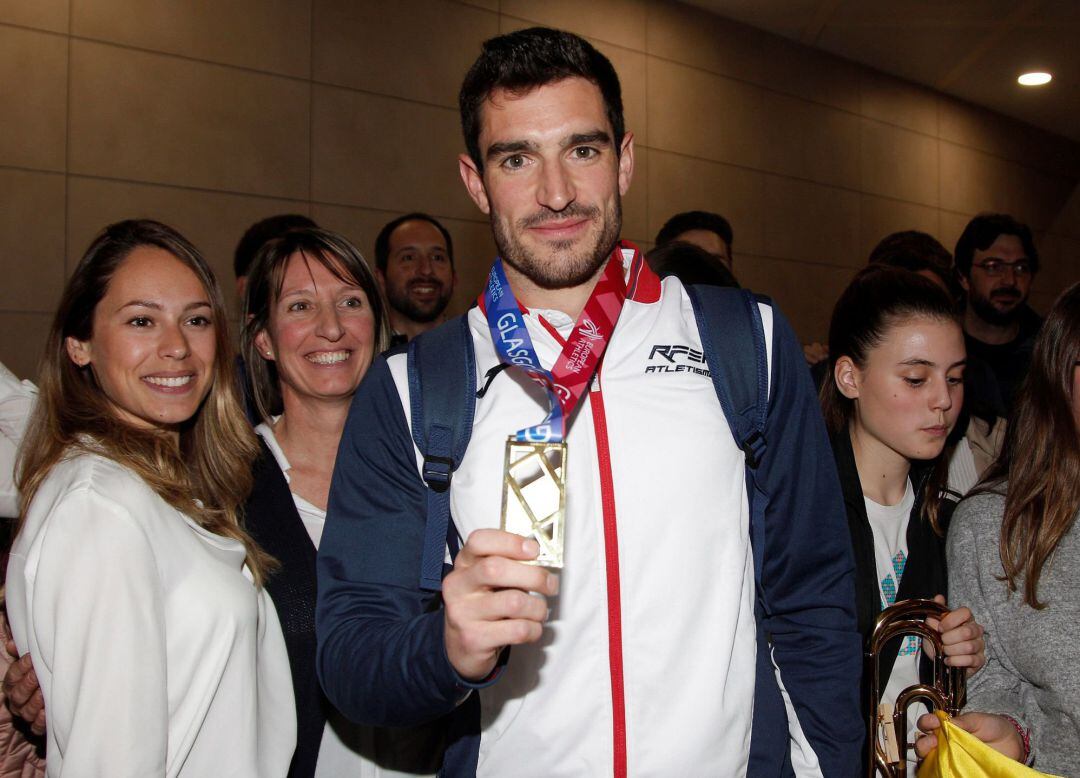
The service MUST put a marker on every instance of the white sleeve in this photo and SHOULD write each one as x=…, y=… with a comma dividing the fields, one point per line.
x=97, y=624
x=17, y=400
x=277, y=703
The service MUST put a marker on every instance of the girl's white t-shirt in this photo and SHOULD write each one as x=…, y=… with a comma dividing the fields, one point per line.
x=889, y=524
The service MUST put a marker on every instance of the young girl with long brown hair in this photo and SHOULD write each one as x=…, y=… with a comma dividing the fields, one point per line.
x=1014, y=555
x=131, y=581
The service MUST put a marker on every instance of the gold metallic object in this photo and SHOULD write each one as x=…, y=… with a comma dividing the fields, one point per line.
x=534, y=496
x=947, y=692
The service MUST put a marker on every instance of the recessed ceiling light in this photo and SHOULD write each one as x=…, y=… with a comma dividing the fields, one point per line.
x=1034, y=79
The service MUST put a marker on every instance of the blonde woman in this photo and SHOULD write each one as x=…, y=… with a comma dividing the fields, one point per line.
x=131, y=581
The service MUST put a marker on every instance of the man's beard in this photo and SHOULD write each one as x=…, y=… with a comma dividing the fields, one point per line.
x=565, y=267
x=421, y=313
x=989, y=313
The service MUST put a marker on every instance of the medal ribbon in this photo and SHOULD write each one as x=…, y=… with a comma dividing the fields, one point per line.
x=569, y=377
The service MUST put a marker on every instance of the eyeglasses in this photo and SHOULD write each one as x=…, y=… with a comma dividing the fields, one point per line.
x=997, y=267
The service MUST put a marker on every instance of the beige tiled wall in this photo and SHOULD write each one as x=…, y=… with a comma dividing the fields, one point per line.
x=213, y=115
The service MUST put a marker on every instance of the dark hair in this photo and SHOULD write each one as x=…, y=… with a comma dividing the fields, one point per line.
x=523, y=60
x=260, y=233
x=695, y=220
x=690, y=264
x=1039, y=466
x=918, y=252
x=337, y=255
x=382, y=240
x=983, y=230
x=877, y=299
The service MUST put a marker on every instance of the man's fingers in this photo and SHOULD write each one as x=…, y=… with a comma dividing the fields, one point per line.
x=512, y=632
x=512, y=604
x=496, y=542
x=494, y=572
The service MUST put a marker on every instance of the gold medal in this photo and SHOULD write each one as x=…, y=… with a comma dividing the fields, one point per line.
x=534, y=496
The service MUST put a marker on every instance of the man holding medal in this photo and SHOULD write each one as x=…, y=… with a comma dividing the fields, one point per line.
x=605, y=450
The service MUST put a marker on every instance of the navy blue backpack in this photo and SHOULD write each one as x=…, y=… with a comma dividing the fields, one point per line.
x=442, y=390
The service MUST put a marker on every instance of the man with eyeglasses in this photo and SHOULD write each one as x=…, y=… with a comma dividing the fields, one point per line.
x=996, y=261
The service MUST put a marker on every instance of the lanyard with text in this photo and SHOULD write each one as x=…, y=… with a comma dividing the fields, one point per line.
x=534, y=478
x=569, y=377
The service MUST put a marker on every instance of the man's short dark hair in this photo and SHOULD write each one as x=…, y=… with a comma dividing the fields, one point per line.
x=983, y=230
x=917, y=251
x=262, y=232
x=524, y=60
x=691, y=264
x=695, y=220
x=382, y=240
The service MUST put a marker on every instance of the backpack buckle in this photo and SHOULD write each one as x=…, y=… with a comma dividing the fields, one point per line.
x=754, y=448
x=437, y=472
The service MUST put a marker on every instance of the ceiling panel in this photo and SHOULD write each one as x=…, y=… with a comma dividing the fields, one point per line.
x=972, y=49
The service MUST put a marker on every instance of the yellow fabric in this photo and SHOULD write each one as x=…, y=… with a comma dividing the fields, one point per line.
x=960, y=754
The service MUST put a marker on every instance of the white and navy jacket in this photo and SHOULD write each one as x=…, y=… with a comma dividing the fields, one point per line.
x=647, y=664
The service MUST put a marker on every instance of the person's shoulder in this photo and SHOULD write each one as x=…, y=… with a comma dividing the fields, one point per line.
x=980, y=513
x=97, y=477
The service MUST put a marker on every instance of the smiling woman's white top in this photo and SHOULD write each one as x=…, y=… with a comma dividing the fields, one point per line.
x=155, y=652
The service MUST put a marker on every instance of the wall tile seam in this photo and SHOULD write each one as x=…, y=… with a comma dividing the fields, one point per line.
x=764, y=171
x=940, y=96
x=42, y=171
x=188, y=58
x=28, y=28
x=400, y=98
x=311, y=106
x=480, y=220
x=394, y=212
x=773, y=174
x=334, y=85
x=67, y=145
x=1030, y=168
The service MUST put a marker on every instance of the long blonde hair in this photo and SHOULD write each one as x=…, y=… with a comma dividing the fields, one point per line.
x=208, y=476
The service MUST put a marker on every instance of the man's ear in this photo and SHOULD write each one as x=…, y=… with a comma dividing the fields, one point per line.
x=963, y=282
x=847, y=376
x=380, y=279
x=626, y=163
x=78, y=351
x=265, y=347
x=474, y=182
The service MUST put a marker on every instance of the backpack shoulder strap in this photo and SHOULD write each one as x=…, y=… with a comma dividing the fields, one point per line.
x=729, y=319
x=740, y=372
x=442, y=386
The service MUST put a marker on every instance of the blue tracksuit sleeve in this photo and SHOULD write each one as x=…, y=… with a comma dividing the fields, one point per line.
x=807, y=580
x=381, y=656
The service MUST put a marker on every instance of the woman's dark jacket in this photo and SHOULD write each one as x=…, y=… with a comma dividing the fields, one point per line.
x=270, y=516
x=925, y=572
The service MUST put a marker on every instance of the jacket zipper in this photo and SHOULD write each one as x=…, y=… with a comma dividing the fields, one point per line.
x=614, y=596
